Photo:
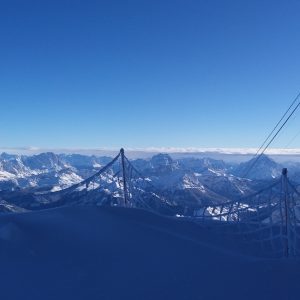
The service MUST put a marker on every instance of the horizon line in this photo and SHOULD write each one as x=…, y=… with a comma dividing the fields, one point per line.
x=174, y=150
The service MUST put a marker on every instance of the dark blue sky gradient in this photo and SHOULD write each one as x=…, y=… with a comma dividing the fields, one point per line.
x=147, y=73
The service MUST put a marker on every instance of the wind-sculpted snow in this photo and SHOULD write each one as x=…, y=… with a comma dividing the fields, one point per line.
x=92, y=253
x=11, y=208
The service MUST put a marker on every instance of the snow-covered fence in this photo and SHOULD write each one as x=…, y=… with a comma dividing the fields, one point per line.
x=118, y=183
x=268, y=221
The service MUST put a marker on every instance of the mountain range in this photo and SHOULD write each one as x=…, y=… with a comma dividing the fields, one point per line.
x=188, y=182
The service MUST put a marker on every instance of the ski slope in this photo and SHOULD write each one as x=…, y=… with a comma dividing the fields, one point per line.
x=115, y=253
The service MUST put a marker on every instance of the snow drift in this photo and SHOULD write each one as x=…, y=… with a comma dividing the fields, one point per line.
x=116, y=253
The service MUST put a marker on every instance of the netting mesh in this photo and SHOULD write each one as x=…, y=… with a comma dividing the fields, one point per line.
x=267, y=221
x=118, y=183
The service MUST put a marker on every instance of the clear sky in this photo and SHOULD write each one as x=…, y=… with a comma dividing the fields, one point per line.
x=147, y=73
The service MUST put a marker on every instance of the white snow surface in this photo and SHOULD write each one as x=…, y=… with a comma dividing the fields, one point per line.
x=68, y=179
x=112, y=253
x=4, y=176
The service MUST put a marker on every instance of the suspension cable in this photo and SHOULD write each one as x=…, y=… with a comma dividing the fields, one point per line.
x=264, y=146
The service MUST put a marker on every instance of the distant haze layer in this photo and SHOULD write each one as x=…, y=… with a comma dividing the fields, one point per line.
x=226, y=154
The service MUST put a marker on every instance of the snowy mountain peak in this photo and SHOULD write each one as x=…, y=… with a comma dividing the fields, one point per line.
x=161, y=160
x=163, y=163
x=262, y=167
x=46, y=160
x=6, y=156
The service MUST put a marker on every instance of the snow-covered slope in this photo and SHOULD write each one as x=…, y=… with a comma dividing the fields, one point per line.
x=42, y=170
x=95, y=253
x=10, y=208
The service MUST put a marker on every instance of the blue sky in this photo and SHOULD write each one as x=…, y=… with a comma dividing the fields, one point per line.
x=164, y=73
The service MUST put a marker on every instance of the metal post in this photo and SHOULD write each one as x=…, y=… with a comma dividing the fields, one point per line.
x=286, y=212
x=124, y=177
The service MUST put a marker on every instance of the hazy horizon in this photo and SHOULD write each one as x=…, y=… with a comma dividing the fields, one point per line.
x=226, y=154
